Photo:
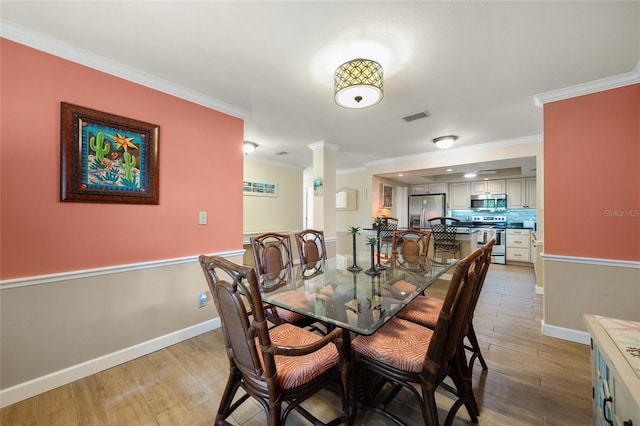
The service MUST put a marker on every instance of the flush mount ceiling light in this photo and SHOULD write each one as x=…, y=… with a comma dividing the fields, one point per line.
x=358, y=83
x=445, y=142
x=248, y=147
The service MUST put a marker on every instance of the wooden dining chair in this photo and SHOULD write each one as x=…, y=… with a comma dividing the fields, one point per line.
x=274, y=267
x=404, y=353
x=424, y=310
x=409, y=249
x=283, y=364
x=311, y=247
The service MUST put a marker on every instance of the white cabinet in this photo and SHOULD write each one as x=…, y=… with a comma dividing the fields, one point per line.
x=459, y=196
x=616, y=386
x=429, y=188
x=488, y=187
x=519, y=245
x=531, y=193
x=521, y=193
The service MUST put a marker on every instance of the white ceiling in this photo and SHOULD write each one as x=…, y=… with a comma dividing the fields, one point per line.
x=474, y=66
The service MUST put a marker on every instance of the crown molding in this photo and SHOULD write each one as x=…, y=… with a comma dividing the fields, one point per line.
x=588, y=88
x=323, y=145
x=63, y=50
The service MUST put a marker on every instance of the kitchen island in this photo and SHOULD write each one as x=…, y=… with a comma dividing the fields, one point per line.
x=468, y=238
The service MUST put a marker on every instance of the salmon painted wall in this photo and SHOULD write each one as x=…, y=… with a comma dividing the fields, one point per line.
x=201, y=166
x=592, y=175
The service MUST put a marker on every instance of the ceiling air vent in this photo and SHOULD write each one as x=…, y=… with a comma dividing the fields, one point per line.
x=416, y=116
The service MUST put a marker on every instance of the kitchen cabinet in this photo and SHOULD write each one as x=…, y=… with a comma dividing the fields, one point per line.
x=459, y=196
x=616, y=386
x=519, y=245
x=429, y=188
x=531, y=193
x=484, y=187
x=521, y=193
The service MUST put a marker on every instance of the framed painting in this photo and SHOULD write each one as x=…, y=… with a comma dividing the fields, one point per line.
x=107, y=158
x=260, y=188
x=387, y=196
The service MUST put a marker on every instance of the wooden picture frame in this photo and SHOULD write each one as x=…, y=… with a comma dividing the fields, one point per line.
x=107, y=158
x=387, y=196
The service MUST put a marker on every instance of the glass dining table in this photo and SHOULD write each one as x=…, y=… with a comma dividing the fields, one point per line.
x=355, y=301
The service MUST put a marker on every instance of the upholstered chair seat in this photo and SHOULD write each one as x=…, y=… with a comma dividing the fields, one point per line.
x=399, y=343
x=422, y=310
x=294, y=371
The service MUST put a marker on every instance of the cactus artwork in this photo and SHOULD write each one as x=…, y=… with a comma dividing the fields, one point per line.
x=117, y=170
x=99, y=146
x=128, y=164
x=108, y=158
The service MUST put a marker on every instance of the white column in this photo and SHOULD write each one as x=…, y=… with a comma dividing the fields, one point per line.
x=324, y=187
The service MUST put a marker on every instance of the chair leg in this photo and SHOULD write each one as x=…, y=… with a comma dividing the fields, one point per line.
x=461, y=377
x=275, y=411
x=476, y=349
x=429, y=407
x=233, y=383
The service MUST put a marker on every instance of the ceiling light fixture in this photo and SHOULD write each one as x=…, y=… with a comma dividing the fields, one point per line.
x=445, y=142
x=470, y=175
x=358, y=83
x=248, y=147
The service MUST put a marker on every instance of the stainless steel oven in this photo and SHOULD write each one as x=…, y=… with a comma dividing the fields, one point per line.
x=492, y=227
x=498, y=254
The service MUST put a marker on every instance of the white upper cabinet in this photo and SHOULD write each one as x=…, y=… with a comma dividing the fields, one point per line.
x=484, y=187
x=531, y=193
x=521, y=193
x=459, y=197
x=429, y=188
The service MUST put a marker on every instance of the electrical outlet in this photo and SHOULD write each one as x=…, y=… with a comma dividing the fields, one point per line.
x=202, y=218
x=202, y=300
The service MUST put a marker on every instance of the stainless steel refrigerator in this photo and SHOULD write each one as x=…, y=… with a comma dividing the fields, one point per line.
x=424, y=207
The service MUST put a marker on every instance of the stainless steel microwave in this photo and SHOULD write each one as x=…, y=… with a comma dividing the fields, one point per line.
x=489, y=201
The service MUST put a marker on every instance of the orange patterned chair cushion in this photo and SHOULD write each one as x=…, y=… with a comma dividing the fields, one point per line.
x=422, y=310
x=404, y=286
x=288, y=316
x=294, y=371
x=399, y=343
x=293, y=298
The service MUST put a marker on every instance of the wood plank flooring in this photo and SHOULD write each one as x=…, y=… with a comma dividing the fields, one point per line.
x=532, y=379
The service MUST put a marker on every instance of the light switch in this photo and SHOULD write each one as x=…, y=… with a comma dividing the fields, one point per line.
x=202, y=218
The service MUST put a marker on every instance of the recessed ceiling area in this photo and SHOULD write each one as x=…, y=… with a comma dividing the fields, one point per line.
x=499, y=169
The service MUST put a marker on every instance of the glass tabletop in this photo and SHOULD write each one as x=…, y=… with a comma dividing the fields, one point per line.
x=356, y=301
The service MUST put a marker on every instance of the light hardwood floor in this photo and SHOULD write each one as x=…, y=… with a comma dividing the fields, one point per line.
x=532, y=379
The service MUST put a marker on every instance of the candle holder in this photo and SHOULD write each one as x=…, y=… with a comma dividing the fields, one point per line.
x=354, y=230
x=371, y=241
x=379, y=222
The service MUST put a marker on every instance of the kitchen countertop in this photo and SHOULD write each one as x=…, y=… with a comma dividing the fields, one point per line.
x=463, y=230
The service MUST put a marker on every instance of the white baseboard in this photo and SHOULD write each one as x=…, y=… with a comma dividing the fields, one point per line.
x=566, y=334
x=539, y=290
x=56, y=379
